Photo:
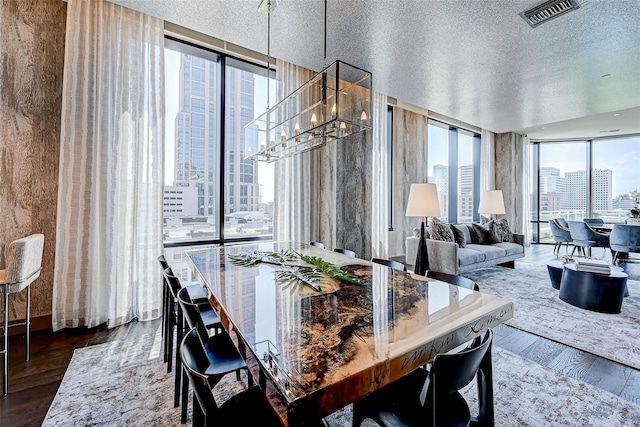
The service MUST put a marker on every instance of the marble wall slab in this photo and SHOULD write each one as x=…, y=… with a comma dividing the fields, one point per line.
x=409, y=166
x=509, y=157
x=31, y=68
x=323, y=195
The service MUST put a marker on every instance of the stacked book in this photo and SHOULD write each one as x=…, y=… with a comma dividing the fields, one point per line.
x=592, y=265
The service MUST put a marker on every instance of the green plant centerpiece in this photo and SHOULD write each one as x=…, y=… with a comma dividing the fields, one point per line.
x=291, y=270
x=635, y=211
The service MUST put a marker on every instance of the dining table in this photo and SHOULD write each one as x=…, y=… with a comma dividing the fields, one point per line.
x=320, y=330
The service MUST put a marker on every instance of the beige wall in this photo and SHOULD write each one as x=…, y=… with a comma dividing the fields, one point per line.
x=31, y=64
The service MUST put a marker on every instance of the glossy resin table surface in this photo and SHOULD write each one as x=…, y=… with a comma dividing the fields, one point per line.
x=324, y=349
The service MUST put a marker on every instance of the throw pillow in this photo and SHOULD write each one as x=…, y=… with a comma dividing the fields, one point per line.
x=441, y=231
x=458, y=236
x=503, y=231
x=485, y=234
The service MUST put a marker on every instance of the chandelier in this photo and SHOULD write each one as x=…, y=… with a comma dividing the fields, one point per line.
x=333, y=104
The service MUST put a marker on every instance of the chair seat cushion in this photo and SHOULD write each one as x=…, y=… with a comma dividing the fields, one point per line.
x=222, y=354
x=197, y=293
x=209, y=315
x=247, y=408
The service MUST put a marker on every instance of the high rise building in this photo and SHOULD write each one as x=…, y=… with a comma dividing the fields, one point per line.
x=441, y=179
x=601, y=194
x=554, y=192
x=197, y=146
x=465, y=193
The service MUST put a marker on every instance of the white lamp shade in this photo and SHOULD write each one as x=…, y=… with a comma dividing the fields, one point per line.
x=423, y=201
x=491, y=202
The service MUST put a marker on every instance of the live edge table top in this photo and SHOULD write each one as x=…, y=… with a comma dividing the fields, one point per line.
x=315, y=352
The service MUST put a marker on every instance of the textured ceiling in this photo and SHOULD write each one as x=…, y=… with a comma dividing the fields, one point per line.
x=473, y=60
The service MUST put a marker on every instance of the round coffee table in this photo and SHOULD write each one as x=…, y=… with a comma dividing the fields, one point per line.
x=592, y=291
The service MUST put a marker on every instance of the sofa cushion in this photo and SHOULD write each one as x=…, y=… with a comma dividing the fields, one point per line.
x=458, y=235
x=468, y=256
x=490, y=252
x=502, y=230
x=441, y=231
x=511, y=248
x=485, y=234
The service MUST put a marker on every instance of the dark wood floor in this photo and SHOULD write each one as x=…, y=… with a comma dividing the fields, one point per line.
x=33, y=384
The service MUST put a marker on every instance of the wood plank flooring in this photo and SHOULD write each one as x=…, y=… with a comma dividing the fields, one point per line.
x=33, y=384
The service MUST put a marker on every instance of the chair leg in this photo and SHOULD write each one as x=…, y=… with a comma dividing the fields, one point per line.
x=574, y=250
x=27, y=325
x=172, y=322
x=185, y=399
x=613, y=260
x=180, y=329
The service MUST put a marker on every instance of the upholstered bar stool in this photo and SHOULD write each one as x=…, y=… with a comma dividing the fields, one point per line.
x=23, y=263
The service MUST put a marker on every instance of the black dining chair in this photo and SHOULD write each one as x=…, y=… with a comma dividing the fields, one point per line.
x=317, y=244
x=431, y=396
x=463, y=282
x=219, y=349
x=346, y=252
x=390, y=263
x=249, y=407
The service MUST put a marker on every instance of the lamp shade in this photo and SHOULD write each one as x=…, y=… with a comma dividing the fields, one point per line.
x=491, y=203
x=423, y=201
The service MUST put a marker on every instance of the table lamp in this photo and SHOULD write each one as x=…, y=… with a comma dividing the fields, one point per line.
x=491, y=203
x=423, y=202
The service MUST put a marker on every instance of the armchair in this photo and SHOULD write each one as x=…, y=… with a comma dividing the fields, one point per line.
x=624, y=239
x=586, y=237
x=561, y=234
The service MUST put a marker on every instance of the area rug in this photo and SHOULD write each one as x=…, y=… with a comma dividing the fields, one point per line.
x=126, y=384
x=538, y=310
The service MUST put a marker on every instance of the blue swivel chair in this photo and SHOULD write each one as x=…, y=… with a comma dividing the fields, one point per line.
x=586, y=237
x=624, y=239
x=561, y=234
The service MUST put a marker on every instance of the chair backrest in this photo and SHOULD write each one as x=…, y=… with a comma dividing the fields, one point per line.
x=163, y=262
x=583, y=235
x=593, y=221
x=191, y=312
x=390, y=263
x=23, y=260
x=453, y=371
x=195, y=363
x=562, y=222
x=172, y=281
x=346, y=252
x=317, y=244
x=463, y=282
x=625, y=238
x=560, y=233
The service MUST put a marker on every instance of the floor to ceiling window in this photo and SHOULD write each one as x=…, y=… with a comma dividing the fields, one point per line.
x=212, y=194
x=596, y=178
x=453, y=164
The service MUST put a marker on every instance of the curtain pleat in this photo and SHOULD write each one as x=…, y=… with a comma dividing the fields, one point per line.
x=109, y=228
x=292, y=193
x=380, y=187
x=487, y=160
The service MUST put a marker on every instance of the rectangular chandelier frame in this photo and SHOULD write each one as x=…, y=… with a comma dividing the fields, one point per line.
x=333, y=104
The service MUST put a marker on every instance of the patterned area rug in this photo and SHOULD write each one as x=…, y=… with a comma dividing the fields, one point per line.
x=538, y=310
x=125, y=384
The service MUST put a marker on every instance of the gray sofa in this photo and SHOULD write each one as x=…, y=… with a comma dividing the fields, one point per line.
x=449, y=258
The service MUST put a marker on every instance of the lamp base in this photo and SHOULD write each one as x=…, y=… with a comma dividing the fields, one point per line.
x=422, y=258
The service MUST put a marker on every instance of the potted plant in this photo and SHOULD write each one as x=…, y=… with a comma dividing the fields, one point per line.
x=635, y=213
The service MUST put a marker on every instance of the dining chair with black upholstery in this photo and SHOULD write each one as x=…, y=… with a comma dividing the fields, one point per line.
x=197, y=294
x=584, y=236
x=23, y=263
x=390, y=263
x=561, y=234
x=221, y=353
x=624, y=239
x=431, y=396
x=317, y=244
x=346, y=252
x=248, y=407
x=463, y=282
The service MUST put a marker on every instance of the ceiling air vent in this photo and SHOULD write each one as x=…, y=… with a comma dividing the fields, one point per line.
x=547, y=11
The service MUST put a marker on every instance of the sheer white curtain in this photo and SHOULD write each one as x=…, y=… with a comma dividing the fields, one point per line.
x=109, y=227
x=528, y=191
x=487, y=160
x=380, y=187
x=292, y=193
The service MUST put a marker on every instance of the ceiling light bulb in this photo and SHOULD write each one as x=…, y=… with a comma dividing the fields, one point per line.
x=296, y=128
x=363, y=116
x=314, y=119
